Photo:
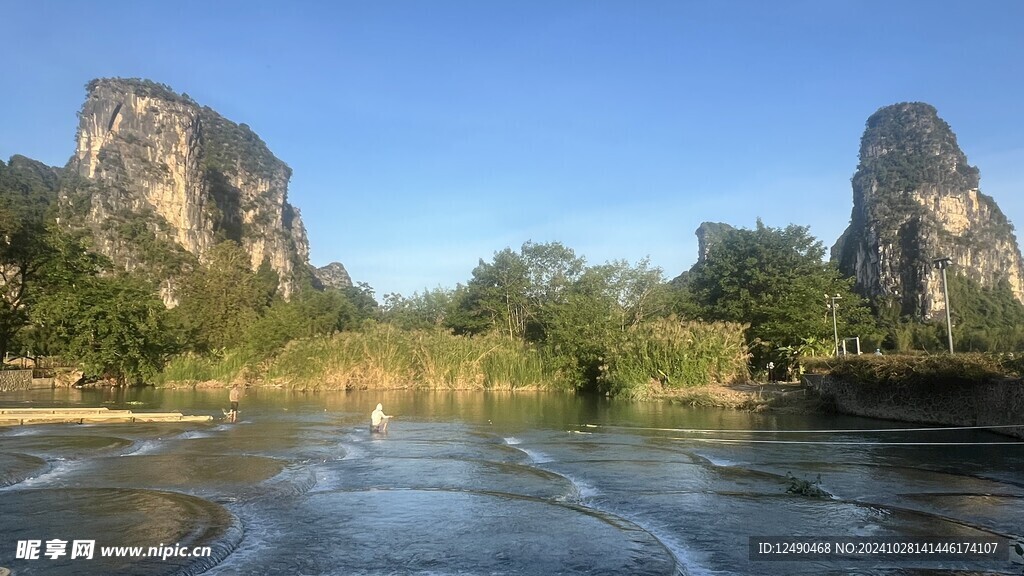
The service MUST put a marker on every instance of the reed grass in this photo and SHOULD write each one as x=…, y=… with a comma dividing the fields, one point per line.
x=649, y=360
x=224, y=366
x=381, y=357
x=667, y=353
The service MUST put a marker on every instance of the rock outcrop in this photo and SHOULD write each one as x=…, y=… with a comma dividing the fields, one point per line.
x=915, y=200
x=26, y=175
x=708, y=233
x=333, y=276
x=158, y=180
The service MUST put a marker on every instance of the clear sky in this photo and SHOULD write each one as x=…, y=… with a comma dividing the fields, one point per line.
x=426, y=134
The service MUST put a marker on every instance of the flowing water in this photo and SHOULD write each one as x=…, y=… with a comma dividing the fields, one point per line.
x=488, y=483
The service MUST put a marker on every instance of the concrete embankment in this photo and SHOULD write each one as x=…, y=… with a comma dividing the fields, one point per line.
x=24, y=416
x=992, y=403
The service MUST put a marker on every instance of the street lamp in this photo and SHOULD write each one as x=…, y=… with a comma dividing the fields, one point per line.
x=942, y=264
x=835, y=327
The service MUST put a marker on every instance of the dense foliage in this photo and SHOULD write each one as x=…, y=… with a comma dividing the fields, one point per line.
x=775, y=280
x=112, y=326
x=985, y=319
x=27, y=191
x=665, y=354
x=598, y=327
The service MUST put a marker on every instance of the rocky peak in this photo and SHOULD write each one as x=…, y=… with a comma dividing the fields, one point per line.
x=708, y=233
x=160, y=179
x=332, y=276
x=916, y=199
x=33, y=172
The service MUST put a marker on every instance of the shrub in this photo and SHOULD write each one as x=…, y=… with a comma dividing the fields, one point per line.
x=936, y=369
x=675, y=354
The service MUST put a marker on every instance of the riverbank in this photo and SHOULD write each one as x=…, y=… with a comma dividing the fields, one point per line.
x=959, y=390
x=748, y=396
x=995, y=403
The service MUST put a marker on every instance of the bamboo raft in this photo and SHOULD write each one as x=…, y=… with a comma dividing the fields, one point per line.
x=25, y=416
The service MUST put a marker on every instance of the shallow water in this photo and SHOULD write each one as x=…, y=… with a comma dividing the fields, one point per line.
x=489, y=483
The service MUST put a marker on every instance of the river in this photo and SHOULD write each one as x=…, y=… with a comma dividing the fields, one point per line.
x=488, y=483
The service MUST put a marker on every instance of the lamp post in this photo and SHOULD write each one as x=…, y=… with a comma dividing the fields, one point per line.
x=835, y=327
x=942, y=264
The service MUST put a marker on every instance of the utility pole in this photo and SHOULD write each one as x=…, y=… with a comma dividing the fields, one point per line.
x=942, y=264
x=835, y=327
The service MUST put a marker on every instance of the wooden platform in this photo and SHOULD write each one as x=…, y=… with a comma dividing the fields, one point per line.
x=24, y=416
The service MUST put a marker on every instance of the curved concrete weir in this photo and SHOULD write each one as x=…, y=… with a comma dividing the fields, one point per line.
x=15, y=468
x=456, y=532
x=113, y=518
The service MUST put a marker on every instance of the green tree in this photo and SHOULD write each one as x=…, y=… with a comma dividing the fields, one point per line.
x=221, y=300
x=309, y=313
x=113, y=327
x=361, y=296
x=551, y=271
x=775, y=280
x=27, y=190
x=463, y=316
x=496, y=296
x=64, y=266
x=584, y=325
x=420, y=311
x=639, y=292
x=515, y=291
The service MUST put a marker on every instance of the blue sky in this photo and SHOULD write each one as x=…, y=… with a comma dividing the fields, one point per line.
x=425, y=134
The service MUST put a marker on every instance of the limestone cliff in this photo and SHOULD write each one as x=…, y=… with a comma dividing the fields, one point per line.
x=916, y=199
x=159, y=179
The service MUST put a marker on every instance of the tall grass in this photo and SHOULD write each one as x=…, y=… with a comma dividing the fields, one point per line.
x=673, y=354
x=381, y=356
x=225, y=366
x=646, y=359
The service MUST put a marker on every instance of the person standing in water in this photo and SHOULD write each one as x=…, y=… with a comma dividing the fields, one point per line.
x=379, y=420
x=234, y=396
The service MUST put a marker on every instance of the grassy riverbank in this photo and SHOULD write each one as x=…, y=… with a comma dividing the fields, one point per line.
x=930, y=369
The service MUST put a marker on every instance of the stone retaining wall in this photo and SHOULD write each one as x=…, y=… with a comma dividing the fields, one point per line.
x=993, y=403
x=15, y=380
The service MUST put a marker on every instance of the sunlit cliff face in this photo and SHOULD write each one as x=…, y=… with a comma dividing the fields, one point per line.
x=916, y=199
x=193, y=176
